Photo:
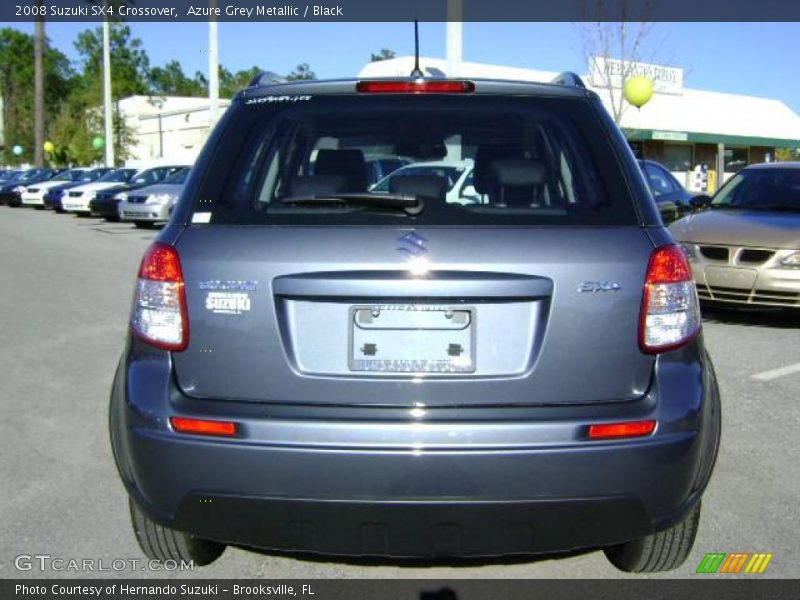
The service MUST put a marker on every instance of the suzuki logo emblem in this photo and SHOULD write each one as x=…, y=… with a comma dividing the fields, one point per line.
x=412, y=245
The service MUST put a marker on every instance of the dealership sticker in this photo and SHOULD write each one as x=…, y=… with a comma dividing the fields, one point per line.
x=201, y=217
x=228, y=303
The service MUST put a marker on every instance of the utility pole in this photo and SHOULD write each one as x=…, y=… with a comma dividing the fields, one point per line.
x=455, y=33
x=38, y=88
x=109, y=118
x=213, y=68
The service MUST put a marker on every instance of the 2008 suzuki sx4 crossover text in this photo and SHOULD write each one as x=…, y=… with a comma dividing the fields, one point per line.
x=316, y=366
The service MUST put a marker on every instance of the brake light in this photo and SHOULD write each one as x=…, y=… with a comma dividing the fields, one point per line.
x=203, y=426
x=415, y=87
x=670, y=315
x=159, y=306
x=605, y=431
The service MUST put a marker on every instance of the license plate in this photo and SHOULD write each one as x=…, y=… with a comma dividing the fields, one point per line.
x=732, y=277
x=415, y=338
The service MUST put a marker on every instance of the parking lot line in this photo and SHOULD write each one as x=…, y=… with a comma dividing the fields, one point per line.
x=775, y=373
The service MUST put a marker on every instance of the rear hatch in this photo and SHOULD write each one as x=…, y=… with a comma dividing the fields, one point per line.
x=523, y=287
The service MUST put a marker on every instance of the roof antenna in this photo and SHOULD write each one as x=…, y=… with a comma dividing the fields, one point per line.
x=416, y=72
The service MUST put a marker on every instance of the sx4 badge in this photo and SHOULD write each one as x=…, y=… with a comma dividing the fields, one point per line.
x=228, y=303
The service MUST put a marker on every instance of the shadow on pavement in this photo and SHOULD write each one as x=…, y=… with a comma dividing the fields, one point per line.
x=777, y=319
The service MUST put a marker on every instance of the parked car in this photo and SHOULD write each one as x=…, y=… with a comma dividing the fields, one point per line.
x=34, y=194
x=316, y=367
x=458, y=176
x=745, y=247
x=379, y=167
x=76, y=200
x=10, y=175
x=672, y=198
x=154, y=203
x=53, y=197
x=11, y=192
x=106, y=202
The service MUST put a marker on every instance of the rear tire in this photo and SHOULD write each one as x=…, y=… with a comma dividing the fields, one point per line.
x=662, y=551
x=162, y=543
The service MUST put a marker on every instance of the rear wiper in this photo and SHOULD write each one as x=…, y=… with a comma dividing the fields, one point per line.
x=410, y=205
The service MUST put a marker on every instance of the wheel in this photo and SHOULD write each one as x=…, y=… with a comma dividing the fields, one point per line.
x=662, y=551
x=143, y=224
x=162, y=543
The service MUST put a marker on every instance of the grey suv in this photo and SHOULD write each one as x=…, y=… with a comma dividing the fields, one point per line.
x=318, y=368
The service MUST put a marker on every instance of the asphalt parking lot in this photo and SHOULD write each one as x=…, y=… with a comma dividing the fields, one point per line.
x=66, y=290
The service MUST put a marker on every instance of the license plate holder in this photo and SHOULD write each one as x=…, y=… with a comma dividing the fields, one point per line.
x=411, y=338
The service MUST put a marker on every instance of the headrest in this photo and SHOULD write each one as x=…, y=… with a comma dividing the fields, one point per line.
x=338, y=162
x=485, y=155
x=427, y=186
x=518, y=172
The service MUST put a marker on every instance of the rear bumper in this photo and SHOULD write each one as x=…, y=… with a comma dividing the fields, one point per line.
x=414, y=489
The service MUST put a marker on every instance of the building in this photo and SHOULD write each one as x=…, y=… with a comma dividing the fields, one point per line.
x=167, y=129
x=689, y=130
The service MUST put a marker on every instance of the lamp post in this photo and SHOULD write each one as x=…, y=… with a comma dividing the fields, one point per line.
x=109, y=137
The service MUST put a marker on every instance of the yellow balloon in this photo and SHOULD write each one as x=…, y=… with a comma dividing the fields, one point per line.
x=49, y=147
x=638, y=90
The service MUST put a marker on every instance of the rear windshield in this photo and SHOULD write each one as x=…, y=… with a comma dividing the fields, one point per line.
x=476, y=160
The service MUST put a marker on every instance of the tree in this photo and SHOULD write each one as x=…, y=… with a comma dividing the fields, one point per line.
x=130, y=64
x=612, y=48
x=170, y=80
x=229, y=83
x=16, y=73
x=301, y=71
x=384, y=54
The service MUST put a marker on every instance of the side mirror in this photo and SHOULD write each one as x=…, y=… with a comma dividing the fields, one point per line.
x=700, y=201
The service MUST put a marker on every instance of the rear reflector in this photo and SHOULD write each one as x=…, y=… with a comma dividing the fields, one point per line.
x=606, y=431
x=415, y=87
x=159, y=305
x=670, y=316
x=203, y=427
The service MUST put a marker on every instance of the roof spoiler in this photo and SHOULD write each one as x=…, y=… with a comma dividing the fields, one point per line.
x=266, y=78
x=568, y=78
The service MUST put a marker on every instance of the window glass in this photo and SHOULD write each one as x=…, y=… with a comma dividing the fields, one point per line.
x=531, y=160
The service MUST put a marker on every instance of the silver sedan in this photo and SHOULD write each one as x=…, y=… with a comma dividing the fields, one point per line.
x=744, y=247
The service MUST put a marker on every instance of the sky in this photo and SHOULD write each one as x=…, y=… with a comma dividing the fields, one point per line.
x=756, y=59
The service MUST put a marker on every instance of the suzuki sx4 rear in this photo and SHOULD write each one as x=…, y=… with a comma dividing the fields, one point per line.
x=496, y=351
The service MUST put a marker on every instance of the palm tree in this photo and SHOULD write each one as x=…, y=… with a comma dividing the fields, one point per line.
x=38, y=86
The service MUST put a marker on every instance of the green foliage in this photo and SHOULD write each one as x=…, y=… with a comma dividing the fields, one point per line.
x=301, y=71
x=16, y=89
x=384, y=54
x=170, y=80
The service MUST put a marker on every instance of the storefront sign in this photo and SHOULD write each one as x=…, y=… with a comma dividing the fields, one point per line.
x=671, y=136
x=611, y=72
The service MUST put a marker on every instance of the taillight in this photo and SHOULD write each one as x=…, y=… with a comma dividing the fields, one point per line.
x=670, y=310
x=421, y=86
x=159, y=305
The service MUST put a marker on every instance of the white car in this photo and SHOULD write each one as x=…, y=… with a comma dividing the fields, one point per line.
x=76, y=200
x=154, y=203
x=34, y=195
x=458, y=175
